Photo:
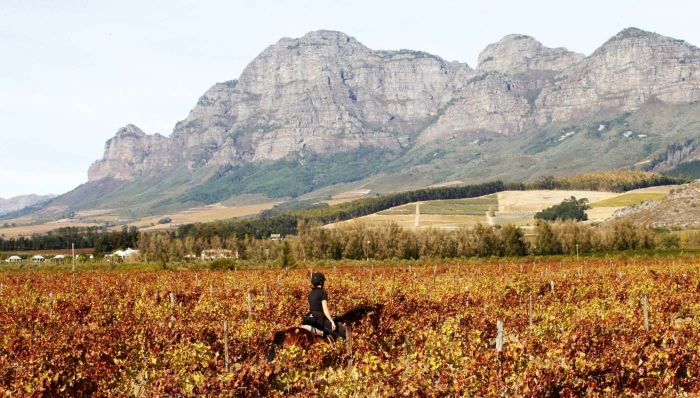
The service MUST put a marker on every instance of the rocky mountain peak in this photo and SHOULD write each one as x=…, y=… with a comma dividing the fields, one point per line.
x=326, y=37
x=517, y=53
x=633, y=33
x=629, y=69
x=636, y=40
x=130, y=130
x=319, y=42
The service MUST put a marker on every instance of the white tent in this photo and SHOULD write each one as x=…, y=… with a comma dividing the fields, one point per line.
x=129, y=251
x=38, y=258
x=125, y=253
x=13, y=259
x=59, y=257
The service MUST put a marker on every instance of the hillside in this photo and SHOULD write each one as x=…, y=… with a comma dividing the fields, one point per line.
x=321, y=114
x=680, y=209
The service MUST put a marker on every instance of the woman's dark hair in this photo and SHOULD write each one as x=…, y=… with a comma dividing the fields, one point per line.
x=317, y=279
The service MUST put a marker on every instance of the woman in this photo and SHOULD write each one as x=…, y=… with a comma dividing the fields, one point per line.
x=319, y=316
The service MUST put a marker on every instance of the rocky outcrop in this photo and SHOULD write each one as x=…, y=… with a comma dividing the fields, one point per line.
x=675, y=155
x=131, y=153
x=326, y=92
x=519, y=53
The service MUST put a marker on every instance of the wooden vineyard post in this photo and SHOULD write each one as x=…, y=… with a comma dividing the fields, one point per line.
x=72, y=280
x=371, y=281
x=529, y=310
x=434, y=274
x=348, y=344
x=250, y=304
x=279, y=279
x=226, y=345
x=551, y=287
x=50, y=305
x=211, y=289
x=173, y=301
x=267, y=296
x=499, y=336
x=645, y=311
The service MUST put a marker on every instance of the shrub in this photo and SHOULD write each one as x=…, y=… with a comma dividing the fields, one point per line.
x=223, y=263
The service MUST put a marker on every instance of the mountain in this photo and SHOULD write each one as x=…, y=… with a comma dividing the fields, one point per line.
x=318, y=114
x=20, y=202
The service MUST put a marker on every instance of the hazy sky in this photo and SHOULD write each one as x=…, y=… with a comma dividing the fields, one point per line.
x=73, y=72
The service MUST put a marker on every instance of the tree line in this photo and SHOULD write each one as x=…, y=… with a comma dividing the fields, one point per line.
x=390, y=241
x=99, y=238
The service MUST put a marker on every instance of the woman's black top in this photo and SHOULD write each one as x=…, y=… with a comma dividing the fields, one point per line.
x=316, y=296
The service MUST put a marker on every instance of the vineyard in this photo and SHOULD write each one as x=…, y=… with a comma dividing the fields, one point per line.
x=521, y=327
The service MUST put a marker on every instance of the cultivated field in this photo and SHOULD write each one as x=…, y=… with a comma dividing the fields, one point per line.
x=594, y=327
x=99, y=217
x=508, y=207
x=37, y=229
x=202, y=214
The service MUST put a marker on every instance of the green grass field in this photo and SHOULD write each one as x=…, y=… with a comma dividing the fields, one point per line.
x=470, y=206
x=629, y=199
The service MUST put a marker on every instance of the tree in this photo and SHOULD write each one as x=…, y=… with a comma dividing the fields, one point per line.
x=512, y=238
x=545, y=240
x=287, y=256
x=569, y=209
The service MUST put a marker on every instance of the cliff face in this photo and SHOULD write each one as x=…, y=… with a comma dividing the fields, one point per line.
x=630, y=69
x=325, y=93
x=131, y=153
x=677, y=154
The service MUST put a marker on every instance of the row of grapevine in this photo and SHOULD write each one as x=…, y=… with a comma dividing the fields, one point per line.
x=551, y=327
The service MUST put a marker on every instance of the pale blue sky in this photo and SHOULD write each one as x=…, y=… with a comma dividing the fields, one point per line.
x=73, y=72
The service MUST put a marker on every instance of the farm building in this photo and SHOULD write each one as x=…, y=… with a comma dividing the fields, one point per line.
x=13, y=259
x=213, y=254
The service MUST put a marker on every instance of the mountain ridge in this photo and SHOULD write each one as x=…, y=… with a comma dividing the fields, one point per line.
x=20, y=202
x=304, y=100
